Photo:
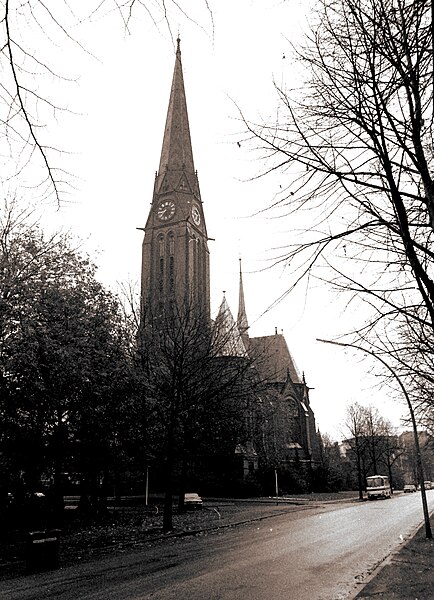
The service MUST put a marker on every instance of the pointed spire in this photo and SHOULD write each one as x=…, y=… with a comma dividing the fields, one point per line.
x=176, y=153
x=242, y=322
x=226, y=332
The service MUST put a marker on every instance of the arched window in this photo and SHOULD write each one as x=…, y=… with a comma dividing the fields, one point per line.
x=171, y=274
x=171, y=244
x=161, y=276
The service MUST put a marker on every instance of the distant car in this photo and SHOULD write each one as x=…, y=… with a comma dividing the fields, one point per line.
x=409, y=488
x=192, y=501
x=427, y=485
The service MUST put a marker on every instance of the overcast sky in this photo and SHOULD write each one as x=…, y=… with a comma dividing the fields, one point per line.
x=122, y=96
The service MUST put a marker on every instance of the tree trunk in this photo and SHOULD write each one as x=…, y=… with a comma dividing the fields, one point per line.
x=168, y=481
x=359, y=471
x=167, y=514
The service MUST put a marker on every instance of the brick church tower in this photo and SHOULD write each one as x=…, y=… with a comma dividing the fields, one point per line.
x=175, y=256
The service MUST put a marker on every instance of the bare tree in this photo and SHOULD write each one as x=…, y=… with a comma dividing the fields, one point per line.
x=33, y=34
x=401, y=385
x=197, y=391
x=355, y=425
x=382, y=446
x=355, y=146
x=372, y=441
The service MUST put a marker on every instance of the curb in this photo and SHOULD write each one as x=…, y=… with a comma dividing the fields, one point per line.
x=376, y=570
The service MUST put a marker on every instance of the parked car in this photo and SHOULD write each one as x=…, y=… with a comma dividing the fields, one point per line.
x=192, y=501
x=427, y=485
x=410, y=487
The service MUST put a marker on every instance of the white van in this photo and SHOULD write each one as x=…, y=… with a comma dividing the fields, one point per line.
x=377, y=486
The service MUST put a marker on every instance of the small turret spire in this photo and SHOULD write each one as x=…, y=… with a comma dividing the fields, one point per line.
x=242, y=322
x=228, y=338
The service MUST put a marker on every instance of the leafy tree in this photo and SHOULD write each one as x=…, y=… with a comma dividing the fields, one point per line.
x=330, y=475
x=64, y=364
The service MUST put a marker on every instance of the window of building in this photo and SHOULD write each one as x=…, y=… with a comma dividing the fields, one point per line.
x=171, y=273
x=161, y=276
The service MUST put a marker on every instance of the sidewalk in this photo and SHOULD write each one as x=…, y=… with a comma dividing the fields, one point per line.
x=406, y=575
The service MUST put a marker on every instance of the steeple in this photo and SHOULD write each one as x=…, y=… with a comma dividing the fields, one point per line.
x=242, y=322
x=176, y=152
x=176, y=173
x=175, y=257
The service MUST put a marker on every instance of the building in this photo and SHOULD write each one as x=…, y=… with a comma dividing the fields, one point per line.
x=175, y=255
x=175, y=273
x=407, y=459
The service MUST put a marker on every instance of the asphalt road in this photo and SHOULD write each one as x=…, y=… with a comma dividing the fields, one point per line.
x=316, y=554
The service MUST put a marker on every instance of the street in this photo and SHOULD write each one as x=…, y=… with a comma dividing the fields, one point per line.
x=318, y=554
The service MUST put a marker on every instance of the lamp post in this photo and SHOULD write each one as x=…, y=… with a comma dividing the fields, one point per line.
x=147, y=486
x=276, y=484
x=428, y=533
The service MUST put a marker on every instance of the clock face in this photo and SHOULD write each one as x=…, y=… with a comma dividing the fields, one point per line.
x=196, y=215
x=166, y=210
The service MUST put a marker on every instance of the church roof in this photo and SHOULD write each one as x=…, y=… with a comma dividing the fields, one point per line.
x=176, y=152
x=273, y=359
x=227, y=334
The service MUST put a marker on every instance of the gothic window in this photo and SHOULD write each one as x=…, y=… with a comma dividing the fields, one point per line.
x=203, y=270
x=161, y=245
x=194, y=243
x=161, y=276
x=171, y=244
x=171, y=274
x=198, y=261
x=183, y=185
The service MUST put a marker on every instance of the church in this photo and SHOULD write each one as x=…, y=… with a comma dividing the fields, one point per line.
x=176, y=272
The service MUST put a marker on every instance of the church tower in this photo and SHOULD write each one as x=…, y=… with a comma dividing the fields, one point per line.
x=175, y=256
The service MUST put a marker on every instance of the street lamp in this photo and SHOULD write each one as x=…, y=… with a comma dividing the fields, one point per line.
x=147, y=485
